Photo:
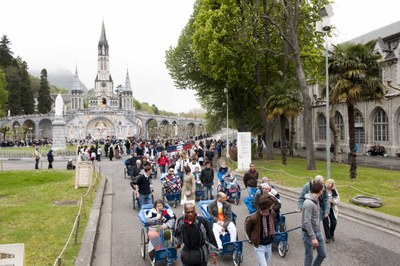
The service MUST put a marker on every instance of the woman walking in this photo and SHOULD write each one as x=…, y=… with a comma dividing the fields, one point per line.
x=331, y=221
x=188, y=187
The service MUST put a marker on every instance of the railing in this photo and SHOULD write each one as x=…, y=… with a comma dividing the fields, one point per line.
x=82, y=209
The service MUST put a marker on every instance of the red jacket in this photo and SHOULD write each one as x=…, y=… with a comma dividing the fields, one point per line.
x=163, y=160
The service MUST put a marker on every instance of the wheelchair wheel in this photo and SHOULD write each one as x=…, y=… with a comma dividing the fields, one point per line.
x=143, y=243
x=237, y=259
x=283, y=247
x=124, y=173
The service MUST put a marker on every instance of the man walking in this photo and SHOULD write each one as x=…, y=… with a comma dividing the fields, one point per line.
x=311, y=232
x=143, y=187
x=37, y=158
x=207, y=179
x=195, y=234
x=250, y=179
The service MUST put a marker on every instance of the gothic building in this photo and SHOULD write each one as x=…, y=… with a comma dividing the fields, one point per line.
x=375, y=122
x=106, y=112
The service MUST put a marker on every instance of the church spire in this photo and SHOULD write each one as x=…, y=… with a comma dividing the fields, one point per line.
x=127, y=82
x=77, y=83
x=103, y=44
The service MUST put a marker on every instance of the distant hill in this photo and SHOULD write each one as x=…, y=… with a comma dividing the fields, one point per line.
x=61, y=78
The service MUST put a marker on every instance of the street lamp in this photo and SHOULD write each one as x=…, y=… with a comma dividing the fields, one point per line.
x=324, y=25
x=227, y=123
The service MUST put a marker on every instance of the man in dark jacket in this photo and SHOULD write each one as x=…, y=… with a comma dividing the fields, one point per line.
x=250, y=179
x=220, y=211
x=143, y=187
x=50, y=158
x=207, y=179
x=195, y=233
x=260, y=227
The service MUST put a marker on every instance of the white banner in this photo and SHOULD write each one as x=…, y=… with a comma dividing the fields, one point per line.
x=244, y=150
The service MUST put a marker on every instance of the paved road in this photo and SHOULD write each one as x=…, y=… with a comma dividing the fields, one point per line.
x=355, y=244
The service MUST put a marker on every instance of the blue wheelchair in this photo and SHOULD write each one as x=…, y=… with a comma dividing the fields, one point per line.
x=228, y=248
x=167, y=254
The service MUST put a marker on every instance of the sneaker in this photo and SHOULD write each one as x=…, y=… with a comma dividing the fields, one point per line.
x=328, y=241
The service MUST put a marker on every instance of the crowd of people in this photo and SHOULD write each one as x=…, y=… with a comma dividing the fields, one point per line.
x=191, y=170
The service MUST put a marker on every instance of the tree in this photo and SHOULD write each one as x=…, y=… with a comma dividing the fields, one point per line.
x=6, y=55
x=293, y=25
x=284, y=101
x=3, y=93
x=14, y=86
x=354, y=77
x=26, y=93
x=44, y=99
x=4, y=131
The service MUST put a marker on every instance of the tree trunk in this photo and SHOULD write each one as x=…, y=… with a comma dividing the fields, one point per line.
x=283, y=139
x=332, y=126
x=307, y=116
x=352, y=140
x=292, y=148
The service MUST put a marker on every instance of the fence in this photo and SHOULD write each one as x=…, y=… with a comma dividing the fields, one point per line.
x=82, y=209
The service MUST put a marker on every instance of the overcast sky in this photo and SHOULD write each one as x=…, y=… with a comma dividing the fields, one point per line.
x=63, y=34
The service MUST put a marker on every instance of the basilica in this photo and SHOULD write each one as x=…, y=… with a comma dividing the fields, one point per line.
x=106, y=112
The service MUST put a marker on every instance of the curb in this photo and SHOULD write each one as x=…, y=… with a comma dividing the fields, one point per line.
x=86, y=252
x=377, y=220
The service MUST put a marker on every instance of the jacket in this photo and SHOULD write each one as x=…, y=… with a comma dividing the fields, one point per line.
x=335, y=202
x=250, y=179
x=323, y=200
x=212, y=209
x=207, y=177
x=310, y=216
x=252, y=227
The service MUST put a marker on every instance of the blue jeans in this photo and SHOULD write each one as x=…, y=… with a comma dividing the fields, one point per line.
x=321, y=250
x=145, y=199
x=263, y=254
x=208, y=189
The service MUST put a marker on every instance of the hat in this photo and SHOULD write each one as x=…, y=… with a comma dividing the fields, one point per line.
x=264, y=179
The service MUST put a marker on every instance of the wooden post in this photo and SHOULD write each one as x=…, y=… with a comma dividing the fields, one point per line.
x=83, y=200
x=1, y=166
x=59, y=262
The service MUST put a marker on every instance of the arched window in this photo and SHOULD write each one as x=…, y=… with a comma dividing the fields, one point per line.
x=321, y=127
x=359, y=127
x=339, y=125
x=380, y=126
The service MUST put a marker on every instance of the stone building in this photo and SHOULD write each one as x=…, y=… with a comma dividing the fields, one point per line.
x=109, y=111
x=375, y=122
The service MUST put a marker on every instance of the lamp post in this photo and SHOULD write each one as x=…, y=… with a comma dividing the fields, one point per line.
x=324, y=26
x=227, y=123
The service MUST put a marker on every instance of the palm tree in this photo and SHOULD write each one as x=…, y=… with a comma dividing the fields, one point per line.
x=354, y=77
x=284, y=101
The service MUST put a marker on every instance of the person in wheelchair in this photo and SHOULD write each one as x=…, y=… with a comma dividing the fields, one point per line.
x=230, y=181
x=172, y=183
x=220, y=211
x=265, y=189
x=160, y=219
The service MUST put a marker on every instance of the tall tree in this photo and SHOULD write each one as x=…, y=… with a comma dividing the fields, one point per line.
x=354, y=77
x=44, y=99
x=13, y=87
x=3, y=93
x=293, y=25
x=6, y=55
x=26, y=93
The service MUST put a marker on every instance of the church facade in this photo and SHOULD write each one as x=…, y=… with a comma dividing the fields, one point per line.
x=376, y=123
x=108, y=111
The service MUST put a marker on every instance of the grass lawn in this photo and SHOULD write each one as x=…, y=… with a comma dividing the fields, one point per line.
x=29, y=216
x=381, y=183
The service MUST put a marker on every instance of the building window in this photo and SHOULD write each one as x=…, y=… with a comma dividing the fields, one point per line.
x=380, y=126
x=321, y=127
x=359, y=127
x=339, y=125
